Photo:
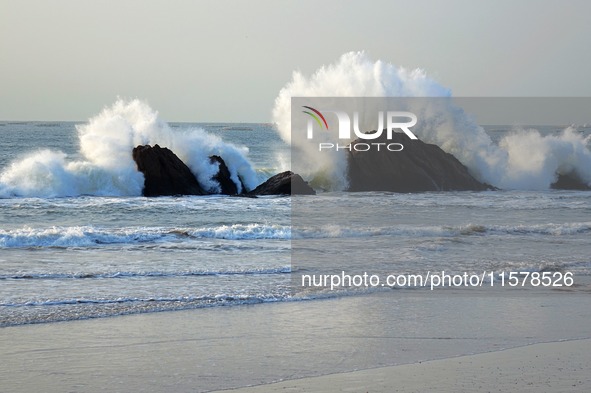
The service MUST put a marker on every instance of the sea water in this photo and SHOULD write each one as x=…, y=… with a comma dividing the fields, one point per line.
x=74, y=243
x=70, y=257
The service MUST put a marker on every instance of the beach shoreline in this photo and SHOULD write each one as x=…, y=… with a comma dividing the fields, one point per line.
x=543, y=367
x=221, y=348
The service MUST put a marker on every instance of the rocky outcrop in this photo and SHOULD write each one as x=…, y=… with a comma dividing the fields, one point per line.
x=418, y=167
x=570, y=181
x=164, y=172
x=284, y=183
x=227, y=185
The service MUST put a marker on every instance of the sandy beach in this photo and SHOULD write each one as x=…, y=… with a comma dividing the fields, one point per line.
x=548, y=367
x=315, y=346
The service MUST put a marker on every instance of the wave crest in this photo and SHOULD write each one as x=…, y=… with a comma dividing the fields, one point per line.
x=107, y=167
x=89, y=236
x=523, y=160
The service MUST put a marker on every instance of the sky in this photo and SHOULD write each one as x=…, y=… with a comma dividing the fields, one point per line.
x=226, y=61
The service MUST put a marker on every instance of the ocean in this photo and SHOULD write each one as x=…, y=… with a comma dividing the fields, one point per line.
x=77, y=239
x=84, y=256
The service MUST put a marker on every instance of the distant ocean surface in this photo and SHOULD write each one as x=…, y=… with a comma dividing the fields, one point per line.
x=82, y=256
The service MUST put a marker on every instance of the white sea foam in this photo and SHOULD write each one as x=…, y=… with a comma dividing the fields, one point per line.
x=132, y=274
x=107, y=166
x=90, y=236
x=242, y=231
x=524, y=159
x=430, y=231
x=85, y=236
x=204, y=300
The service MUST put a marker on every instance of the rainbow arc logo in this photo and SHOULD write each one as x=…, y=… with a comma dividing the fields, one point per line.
x=313, y=114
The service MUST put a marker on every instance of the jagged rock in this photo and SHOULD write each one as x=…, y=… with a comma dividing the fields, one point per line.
x=227, y=185
x=569, y=181
x=418, y=167
x=164, y=172
x=284, y=183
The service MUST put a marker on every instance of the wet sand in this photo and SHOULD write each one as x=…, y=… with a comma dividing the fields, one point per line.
x=548, y=367
x=396, y=337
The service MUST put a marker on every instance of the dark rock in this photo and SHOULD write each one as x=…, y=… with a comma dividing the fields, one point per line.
x=164, y=172
x=227, y=185
x=284, y=183
x=418, y=167
x=569, y=181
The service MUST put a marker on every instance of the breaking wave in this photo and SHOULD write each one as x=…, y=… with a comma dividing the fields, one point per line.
x=89, y=236
x=106, y=166
x=335, y=231
x=524, y=159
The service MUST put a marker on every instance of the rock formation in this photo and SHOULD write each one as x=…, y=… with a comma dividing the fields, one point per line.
x=284, y=183
x=227, y=185
x=164, y=172
x=418, y=167
x=570, y=181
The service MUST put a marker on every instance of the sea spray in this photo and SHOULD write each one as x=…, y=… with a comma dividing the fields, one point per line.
x=353, y=75
x=106, y=166
x=534, y=160
x=47, y=173
x=522, y=160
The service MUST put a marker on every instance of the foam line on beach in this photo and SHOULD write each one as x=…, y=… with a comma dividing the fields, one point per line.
x=65, y=276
